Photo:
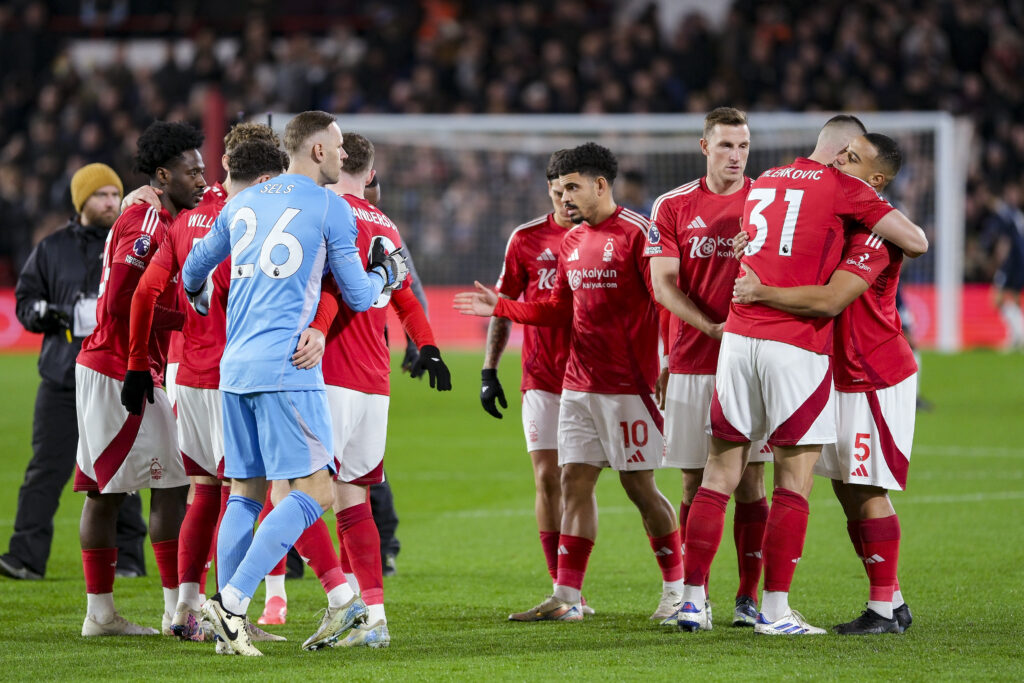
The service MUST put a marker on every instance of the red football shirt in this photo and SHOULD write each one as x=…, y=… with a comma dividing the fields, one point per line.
x=794, y=216
x=357, y=355
x=531, y=265
x=695, y=225
x=217, y=195
x=871, y=351
x=603, y=287
x=131, y=244
x=204, y=337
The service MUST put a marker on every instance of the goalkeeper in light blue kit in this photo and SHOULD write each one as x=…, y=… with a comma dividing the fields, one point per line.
x=277, y=424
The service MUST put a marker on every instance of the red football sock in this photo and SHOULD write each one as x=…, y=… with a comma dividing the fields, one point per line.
x=573, y=555
x=343, y=561
x=704, y=523
x=784, y=537
x=281, y=567
x=225, y=494
x=881, y=539
x=166, y=553
x=196, y=535
x=317, y=550
x=549, y=542
x=748, y=533
x=362, y=545
x=99, y=565
x=853, y=530
x=684, y=512
x=668, y=552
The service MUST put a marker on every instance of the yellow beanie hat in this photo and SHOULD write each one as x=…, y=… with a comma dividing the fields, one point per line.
x=90, y=178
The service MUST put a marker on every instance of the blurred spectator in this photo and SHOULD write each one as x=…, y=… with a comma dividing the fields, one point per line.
x=525, y=56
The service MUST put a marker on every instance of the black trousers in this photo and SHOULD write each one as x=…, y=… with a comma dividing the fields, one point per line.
x=382, y=503
x=54, y=446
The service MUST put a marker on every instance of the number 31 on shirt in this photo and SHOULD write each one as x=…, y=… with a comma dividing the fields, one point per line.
x=764, y=196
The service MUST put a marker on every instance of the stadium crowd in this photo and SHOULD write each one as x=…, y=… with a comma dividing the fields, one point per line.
x=962, y=56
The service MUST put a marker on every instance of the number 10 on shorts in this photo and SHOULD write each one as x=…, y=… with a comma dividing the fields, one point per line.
x=637, y=431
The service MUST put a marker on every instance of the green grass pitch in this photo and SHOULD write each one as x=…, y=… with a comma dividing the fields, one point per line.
x=470, y=556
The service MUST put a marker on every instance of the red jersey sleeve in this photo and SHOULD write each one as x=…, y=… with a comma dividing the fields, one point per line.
x=866, y=255
x=151, y=285
x=327, y=309
x=413, y=317
x=555, y=312
x=661, y=234
x=513, y=279
x=858, y=201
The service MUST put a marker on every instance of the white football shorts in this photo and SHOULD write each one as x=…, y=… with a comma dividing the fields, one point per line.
x=687, y=419
x=118, y=452
x=360, y=424
x=620, y=431
x=201, y=431
x=765, y=389
x=540, y=420
x=875, y=436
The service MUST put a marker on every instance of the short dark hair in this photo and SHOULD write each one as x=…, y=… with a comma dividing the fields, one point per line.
x=846, y=119
x=304, y=126
x=589, y=159
x=249, y=130
x=163, y=142
x=726, y=116
x=360, y=153
x=890, y=158
x=552, y=169
x=253, y=158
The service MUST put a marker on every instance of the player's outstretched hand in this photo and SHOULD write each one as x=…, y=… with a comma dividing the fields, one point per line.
x=430, y=361
x=739, y=243
x=138, y=386
x=200, y=300
x=490, y=389
x=481, y=302
x=661, y=388
x=147, y=194
x=309, y=350
x=412, y=355
x=746, y=288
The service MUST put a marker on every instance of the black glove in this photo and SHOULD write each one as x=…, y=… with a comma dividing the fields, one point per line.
x=50, y=318
x=430, y=361
x=138, y=385
x=412, y=356
x=490, y=389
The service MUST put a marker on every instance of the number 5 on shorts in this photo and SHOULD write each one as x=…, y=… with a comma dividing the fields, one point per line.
x=860, y=446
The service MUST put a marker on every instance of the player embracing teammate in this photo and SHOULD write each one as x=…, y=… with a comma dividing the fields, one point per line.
x=774, y=374
x=876, y=382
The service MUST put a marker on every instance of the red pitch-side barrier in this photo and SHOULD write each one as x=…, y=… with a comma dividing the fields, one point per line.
x=980, y=322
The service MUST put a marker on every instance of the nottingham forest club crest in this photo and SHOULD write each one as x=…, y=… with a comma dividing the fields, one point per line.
x=389, y=246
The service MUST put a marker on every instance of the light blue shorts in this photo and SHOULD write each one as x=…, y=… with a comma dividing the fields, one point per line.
x=277, y=434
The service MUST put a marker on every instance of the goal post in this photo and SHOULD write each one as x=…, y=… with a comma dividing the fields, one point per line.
x=457, y=185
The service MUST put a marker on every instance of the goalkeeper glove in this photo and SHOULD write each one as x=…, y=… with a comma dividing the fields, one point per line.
x=199, y=300
x=490, y=390
x=391, y=267
x=138, y=385
x=430, y=361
